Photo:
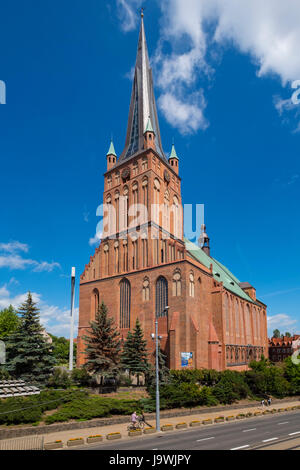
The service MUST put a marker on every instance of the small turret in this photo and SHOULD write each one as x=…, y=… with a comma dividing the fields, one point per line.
x=149, y=136
x=204, y=240
x=174, y=160
x=111, y=156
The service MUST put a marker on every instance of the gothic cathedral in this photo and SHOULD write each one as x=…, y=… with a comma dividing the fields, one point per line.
x=144, y=264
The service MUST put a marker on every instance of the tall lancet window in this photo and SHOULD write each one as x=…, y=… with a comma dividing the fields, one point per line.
x=166, y=221
x=94, y=302
x=145, y=199
x=237, y=318
x=161, y=300
x=125, y=301
x=176, y=217
x=156, y=201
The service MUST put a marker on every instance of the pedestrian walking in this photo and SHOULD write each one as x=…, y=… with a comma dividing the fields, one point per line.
x=269, y=401
x=262, y=403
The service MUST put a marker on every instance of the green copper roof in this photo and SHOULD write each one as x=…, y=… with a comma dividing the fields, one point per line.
x=220, y=272
x=149, y=127
x=111, y=149
x=173, y=153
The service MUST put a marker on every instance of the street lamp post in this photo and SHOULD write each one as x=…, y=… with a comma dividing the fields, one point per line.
x=157, y=371
x=72, y=319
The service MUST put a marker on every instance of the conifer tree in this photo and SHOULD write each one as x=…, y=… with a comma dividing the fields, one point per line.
x=163, y=371
x=103, y=345
x=134, y=354
x=29, y=355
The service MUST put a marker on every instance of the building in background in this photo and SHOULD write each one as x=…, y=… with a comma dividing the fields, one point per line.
x=144, y=263
x=283, y=347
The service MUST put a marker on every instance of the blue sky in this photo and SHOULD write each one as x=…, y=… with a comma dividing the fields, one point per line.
x=223, y=76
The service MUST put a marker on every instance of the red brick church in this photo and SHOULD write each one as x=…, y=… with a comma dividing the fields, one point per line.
x=143, y=263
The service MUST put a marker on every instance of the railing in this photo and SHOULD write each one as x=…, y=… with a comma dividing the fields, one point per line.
x=23, y=443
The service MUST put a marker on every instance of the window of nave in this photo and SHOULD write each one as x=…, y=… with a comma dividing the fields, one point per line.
x=125, y=303
x=237, y=317
x=176, y=283
x=226, y=308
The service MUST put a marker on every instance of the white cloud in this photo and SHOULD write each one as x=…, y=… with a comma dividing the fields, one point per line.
x=187, y=117
x=127, y=11
x=268, y=31
x=95, y=240
x=281, y=320
x=13, y=247
x=10, y=258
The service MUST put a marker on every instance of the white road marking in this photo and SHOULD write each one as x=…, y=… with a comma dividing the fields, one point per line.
x=273, y=439
x=238, y=448
x=247, y=430
x=206, y=439
x=286, y=422
x=293, y=433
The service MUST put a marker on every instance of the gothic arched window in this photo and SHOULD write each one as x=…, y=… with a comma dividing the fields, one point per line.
x=95, y=302
x=192, y=284
x=176, y=284
x=161, y=296
x=146, y=289
x=125, y=300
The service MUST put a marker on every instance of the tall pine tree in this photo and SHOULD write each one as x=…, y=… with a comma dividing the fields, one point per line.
x=134, y=354
x=103, y=345
x=163, y=370
x=29, y=356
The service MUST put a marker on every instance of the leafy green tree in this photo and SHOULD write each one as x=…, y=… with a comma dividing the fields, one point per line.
x=288, y=335
x=134, y=354
x=61, y=347
x=103, y=346
x=29, y=355
x=9, y=321
x=276, y=333
x=292, y=374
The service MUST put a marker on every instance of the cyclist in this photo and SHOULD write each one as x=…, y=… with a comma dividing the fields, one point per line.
x=134, y=419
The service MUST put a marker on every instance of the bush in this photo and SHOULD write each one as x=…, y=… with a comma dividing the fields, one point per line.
x=93, y=407
x=81, y=377
x=23, y=410
x=59, y=379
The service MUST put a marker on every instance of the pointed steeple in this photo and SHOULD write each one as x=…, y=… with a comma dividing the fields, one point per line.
x=173, y=153
x=149, y=127
x=142, y=105
x=111, y=150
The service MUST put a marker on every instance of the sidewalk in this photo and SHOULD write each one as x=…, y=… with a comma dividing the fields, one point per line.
x=122, y=428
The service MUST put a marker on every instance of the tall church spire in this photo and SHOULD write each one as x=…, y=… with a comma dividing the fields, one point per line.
x=142, y=105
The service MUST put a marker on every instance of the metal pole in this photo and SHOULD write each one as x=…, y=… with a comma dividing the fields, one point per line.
x=72, y=319
x=157, y=378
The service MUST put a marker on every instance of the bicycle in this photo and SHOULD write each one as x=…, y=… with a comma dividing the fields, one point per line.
x=140, y=424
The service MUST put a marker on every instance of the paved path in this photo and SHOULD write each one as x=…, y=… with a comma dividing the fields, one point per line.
x=237, y=435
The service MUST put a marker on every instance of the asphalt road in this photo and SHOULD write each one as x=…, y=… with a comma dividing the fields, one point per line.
x=237, y=435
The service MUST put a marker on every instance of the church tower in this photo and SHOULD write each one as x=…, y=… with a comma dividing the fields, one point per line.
x=143, y=264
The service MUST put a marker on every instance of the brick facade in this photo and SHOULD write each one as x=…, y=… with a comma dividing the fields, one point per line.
x=221, y=329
